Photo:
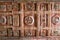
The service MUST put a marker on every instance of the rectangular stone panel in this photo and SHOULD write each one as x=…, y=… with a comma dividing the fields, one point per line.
x=16, y=20
x=10, y=20
x=9, y=32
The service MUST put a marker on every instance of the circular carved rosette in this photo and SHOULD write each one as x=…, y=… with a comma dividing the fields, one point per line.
x=2, y=20
x=55, y=19
x=29, y=20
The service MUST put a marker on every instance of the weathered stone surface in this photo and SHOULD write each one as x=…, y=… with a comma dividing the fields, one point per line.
x=30, y=0
x=6, y=0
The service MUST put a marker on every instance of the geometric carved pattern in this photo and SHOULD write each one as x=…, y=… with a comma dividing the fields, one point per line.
x=55, y=19
x=19, y=19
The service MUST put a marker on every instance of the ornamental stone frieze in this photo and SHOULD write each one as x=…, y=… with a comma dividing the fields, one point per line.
x=29, y=19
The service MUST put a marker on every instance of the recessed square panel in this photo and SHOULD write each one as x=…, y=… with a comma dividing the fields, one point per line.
x=2, y=7
x=29, y=33
x=17, y=33
x=57, y=6
x=44, y=7
x=4, y=32
x=9, y=7
x=16, y=7
x=44, y=32
x=29, y=6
